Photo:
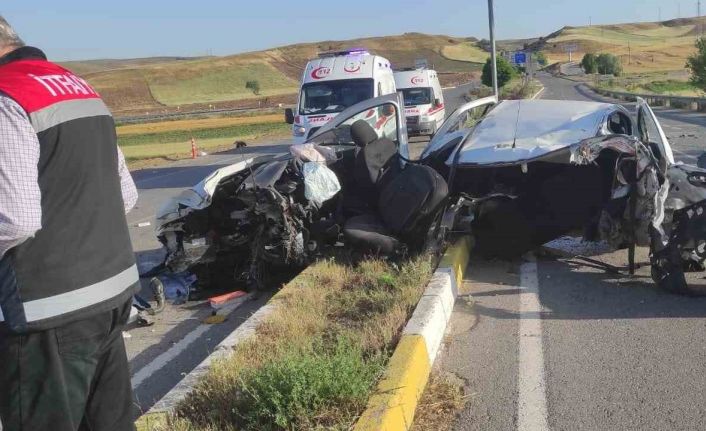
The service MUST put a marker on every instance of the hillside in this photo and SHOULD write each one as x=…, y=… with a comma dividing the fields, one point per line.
x=642, y=47
x=163, y=84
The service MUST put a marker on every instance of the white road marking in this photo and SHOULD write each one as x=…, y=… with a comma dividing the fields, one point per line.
x=160, y=361
x=532, y=395
x=539, y=93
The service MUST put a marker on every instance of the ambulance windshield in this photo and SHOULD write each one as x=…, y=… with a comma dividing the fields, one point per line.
x=416, y=96
x=334, y=96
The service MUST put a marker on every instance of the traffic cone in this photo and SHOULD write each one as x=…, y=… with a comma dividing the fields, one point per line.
x=193, y=148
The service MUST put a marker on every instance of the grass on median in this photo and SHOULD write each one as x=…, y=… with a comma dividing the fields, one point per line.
x=315, y=361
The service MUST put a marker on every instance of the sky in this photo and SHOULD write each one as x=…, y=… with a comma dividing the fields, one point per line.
x=88, y=29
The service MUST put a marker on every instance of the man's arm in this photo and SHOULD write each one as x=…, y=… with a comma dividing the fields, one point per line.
x=20, y=198
x=126, y=183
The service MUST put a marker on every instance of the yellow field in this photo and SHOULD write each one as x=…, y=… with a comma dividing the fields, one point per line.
x=156, y=143
x=643, y=47
x=466, y=51
x=181, y=150
x=197, y=124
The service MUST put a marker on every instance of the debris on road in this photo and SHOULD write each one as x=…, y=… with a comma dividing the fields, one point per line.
x=228, y=299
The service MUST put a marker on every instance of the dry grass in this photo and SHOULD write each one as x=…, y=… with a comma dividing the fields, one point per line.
x=437, y=409
x=196, y=124
x=215, y=80
x=644, y=47
x=466, y=51
x=365, y=305
x=153, y=83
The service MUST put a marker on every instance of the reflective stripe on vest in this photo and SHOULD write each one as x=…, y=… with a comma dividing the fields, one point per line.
x=66, y=111
x=84, y=297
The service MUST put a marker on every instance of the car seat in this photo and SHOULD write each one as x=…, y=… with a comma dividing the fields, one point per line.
x=405, y=199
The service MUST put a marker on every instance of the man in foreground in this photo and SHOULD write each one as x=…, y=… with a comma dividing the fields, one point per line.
x=67, y=270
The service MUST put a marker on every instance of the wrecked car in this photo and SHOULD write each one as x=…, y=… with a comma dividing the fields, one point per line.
x=514, y=175
x=351, y=183
x=530, y=171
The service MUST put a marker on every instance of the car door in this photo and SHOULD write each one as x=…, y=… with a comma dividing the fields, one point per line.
x=385, y=114
x=651, y=134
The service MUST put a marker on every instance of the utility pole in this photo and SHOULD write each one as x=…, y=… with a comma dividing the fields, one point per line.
x=493, y=54
x=589, y=21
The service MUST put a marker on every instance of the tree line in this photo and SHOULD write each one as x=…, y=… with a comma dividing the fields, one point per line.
x=604, y=64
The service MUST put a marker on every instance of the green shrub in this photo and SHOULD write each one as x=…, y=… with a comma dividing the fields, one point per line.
x=505, y=72
x=291, y=391
x=589, y=64
x=254, y=86
x=608, y=64
x=541, y=58
x=696, y=64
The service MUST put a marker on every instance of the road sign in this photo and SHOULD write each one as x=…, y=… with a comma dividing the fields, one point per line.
x=520, y=58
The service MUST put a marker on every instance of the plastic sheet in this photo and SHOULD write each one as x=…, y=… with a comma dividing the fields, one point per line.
x=313, y=153
x=320, y=182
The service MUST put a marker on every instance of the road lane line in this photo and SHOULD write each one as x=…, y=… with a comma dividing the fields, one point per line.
x=532, y=397
x=160, y=361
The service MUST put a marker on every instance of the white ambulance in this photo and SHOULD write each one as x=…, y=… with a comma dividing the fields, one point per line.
x=423, y=100
x=335, y=81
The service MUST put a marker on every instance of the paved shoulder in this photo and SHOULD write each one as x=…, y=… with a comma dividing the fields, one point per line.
x=564, y=344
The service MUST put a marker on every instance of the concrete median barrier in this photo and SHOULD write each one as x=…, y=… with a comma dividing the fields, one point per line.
x=393, y=405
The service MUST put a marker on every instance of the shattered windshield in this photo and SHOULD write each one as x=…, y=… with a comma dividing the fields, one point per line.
x=416, y=96
x=334, y=96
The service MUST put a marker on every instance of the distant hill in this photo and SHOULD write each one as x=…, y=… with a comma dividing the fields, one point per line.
x=642, y=47
x=170, y=83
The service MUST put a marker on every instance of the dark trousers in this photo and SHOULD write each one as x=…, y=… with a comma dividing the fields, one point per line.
x=74, y=377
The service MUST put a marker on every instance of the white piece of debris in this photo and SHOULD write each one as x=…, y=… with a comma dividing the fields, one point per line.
x=126, y=335
x=574, y=246
x=144, y=224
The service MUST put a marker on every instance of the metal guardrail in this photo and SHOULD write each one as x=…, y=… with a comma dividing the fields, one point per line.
x=679, y=102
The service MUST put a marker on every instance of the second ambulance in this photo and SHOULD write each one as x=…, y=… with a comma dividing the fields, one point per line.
x=335, y=81
x=423, y=100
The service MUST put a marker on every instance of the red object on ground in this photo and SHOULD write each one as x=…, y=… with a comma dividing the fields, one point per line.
x=193, y=148
x=223, y=300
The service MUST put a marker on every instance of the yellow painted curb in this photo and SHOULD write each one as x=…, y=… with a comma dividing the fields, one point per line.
x=394, y=403
x=456, y=258
x=392, y=407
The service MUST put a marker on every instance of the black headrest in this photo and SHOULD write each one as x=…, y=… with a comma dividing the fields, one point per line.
x=363, y=133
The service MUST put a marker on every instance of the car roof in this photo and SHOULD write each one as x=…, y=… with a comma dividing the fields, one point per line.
x=520, y=130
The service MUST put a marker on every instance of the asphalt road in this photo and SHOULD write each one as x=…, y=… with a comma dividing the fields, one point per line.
x=551, y=343
x=161, y=354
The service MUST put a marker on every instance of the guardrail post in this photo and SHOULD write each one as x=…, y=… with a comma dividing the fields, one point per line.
x=694, y=106
x=667, y=102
